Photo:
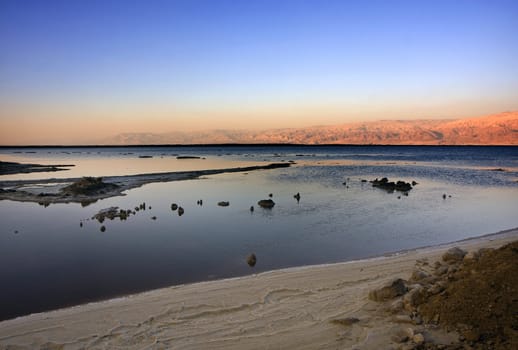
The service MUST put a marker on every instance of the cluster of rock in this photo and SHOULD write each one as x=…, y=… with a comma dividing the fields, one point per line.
x=175, y=207
x=112, y=213
x=441, y=299
x=404, y=297
x=391, y=186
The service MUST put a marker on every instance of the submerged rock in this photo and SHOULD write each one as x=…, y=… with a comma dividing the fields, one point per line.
x=188, y=157
x=251, y=260
x=266, y=203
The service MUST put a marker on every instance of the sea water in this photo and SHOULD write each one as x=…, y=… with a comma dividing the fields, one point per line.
x=48, y=260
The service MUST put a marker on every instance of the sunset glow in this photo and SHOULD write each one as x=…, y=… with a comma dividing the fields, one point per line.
x=80, y=72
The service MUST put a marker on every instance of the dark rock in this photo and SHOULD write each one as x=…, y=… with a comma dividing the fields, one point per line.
x=188, y=157
x=297, y=197
x=223, y=204
x=266, y=203
x=453, y=255
x=180, y=211
x=103, y=228
x=252, y=209
x=174, y=206
x=418, y=275
x=393, y=289
x=414, y=298
x=414, y=183
x=399, y=337
x=391, y=186
x=153, y=218
x=270, y=195
x=251, y=260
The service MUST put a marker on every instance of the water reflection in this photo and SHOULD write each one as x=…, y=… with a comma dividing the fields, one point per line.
x=116, y=166
x=57, y=255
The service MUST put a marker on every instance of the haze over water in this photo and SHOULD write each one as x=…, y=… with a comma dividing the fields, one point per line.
x=48, y=261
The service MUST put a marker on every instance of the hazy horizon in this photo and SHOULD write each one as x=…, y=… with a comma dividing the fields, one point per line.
x=82, y=71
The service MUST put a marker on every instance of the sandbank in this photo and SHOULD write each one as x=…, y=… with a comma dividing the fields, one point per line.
x=283, y=309
x=46, y=191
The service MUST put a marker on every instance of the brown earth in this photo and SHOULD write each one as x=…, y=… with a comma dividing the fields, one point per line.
x=480, y=300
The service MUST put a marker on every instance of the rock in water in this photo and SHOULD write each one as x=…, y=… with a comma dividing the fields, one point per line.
x=266, y=203
x=251, y=260
x=223, y=204
x=180, y=211
x=252, y=209
x=174, y=206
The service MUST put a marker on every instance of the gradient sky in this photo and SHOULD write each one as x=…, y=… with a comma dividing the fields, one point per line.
x=79, y=71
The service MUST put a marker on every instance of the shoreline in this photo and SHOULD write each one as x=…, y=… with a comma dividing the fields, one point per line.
x=277, y=296
x=112, y=185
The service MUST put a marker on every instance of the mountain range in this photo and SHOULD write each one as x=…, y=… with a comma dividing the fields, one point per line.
x=496, y=129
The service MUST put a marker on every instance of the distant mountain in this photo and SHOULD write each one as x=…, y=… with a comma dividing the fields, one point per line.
x=498, y=129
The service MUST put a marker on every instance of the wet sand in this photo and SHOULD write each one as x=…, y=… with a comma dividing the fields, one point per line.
x=283, y=309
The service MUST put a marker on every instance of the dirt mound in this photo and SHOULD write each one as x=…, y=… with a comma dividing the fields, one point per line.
x=89, y=186
x=479, y=300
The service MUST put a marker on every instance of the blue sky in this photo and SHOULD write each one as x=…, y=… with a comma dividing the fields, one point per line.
x=202, y=64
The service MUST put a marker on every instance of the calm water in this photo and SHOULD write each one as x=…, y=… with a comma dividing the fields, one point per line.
x=52, y=262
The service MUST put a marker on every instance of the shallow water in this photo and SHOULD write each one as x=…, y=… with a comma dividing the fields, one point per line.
x=52, y=262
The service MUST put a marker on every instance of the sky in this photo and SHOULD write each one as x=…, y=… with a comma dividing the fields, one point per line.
x=73, y=72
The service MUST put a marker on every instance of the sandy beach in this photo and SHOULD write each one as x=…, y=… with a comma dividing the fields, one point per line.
x=283, y=309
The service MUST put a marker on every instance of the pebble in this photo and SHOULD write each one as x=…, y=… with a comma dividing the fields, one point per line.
x=418, y=338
